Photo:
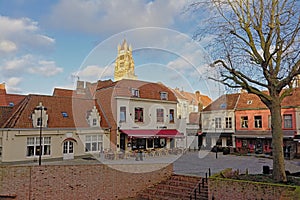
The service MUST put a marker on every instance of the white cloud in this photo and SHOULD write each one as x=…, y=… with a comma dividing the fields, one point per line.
x=95, y=72
x=29, y=64
x=45, y=68
x=22, y=34
x=95, y=16
x=7, y=46
x=12, y=84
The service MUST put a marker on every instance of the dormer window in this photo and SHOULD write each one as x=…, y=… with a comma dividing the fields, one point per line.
x=163, y=95
x=135, y=92
x=93, y=117
x=64, y=114
x=223, y=105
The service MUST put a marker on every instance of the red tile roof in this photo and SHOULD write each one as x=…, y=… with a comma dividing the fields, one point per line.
x=147, y=90
x=225, y=102
x=75, y=108
x=193, y=98
x=250, y=102
x=7, y=99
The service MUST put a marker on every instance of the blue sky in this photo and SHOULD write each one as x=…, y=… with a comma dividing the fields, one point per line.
x=49, y=43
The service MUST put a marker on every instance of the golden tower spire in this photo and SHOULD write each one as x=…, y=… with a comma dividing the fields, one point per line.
x=124, y=66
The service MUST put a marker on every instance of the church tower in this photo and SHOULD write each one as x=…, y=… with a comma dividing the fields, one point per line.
x=124, y=67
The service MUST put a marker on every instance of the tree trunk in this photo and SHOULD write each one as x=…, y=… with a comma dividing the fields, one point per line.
x=277, y=142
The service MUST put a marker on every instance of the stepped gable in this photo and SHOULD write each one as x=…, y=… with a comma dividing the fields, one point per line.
x=21, y=114
x=224, y=102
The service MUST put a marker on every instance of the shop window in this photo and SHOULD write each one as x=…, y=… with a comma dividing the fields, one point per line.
x=244, y=143
x=138, y=143
x=150, y=143
x=257, y=121
x=122, y=114
x=218, y=122
x=159, y=115
x=33, y=146
x=228, y=122
x=287, y=120
x=244, y=122
x=138, y=114
x=156, y=142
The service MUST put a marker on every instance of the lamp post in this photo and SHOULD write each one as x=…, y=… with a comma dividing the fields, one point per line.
x=41, y=108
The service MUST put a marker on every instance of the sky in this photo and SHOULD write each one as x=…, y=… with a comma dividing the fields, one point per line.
x=46, y=44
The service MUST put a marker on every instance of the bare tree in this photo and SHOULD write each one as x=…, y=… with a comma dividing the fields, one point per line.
x=256, y=47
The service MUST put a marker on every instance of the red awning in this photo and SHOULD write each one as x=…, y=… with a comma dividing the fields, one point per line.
x=169, y=133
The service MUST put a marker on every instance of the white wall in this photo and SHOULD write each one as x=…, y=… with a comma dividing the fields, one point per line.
x=149, y=112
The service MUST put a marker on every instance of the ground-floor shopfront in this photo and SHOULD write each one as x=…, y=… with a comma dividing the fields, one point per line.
x=209, y=140
x=260, y=142
x=131, y=140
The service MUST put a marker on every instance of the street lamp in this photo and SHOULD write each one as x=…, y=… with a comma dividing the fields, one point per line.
x=40, y=123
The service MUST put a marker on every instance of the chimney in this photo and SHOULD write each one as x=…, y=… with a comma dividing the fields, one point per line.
x=197, y=94
x=80, y=87
x=2, y=88
x=243, y=91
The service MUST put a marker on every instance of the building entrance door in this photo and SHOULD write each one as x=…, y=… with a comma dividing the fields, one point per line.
x=68, y=150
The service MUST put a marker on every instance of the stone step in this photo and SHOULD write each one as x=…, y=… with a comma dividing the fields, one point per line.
x=176, y=187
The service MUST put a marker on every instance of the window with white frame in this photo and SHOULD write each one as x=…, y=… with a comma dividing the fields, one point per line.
x=258, y=121
x=94, y=122
x=33, y=146
x=122, y=114
x=93, y=143
x=228, y=122
x=244, y=122
x=163, y=95
x=171, y=116
x=159, y=115
x=218, y=122
x=287, y=121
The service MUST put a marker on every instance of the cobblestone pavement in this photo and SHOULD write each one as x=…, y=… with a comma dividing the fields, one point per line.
x=192, y=163
x=195, y=164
